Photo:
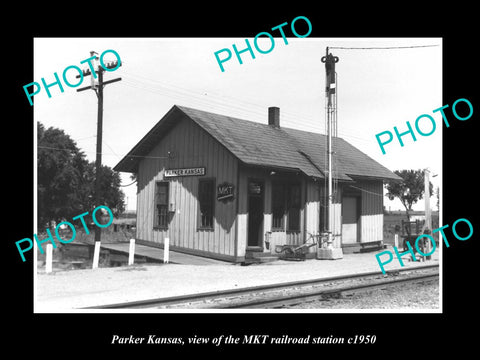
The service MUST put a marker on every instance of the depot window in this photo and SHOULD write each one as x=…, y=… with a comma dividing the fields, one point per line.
x=206, y=197
x=161, y=204
x=278, y=207
x=293, y=207
x=286, y=205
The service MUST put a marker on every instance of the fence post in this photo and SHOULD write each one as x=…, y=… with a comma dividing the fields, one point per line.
x=48, y=259
x=396, y=240
x=96, y=255
x=131, y=252
x=166, y=250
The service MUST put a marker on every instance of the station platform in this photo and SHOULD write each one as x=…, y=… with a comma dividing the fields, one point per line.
x=72, y=290
x=156, y=254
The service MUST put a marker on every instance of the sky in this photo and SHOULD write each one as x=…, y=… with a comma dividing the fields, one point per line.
x=377, y=89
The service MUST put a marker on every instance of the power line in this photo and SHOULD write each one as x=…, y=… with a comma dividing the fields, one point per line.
x=118, y=156
x=84, y=138
x=114, y=154
x=128, y=184
x=367, y=191
x=103, y=153
x=246, y=107
x=381, y=47
x=217, y=101
x=150, y=84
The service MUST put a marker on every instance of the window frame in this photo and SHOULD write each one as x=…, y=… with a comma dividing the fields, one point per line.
x=275, y=202
x=282, y=198
x=156, y=223
x=293, y=205
x=201, y=198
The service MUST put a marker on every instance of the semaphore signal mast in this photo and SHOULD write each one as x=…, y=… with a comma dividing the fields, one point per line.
x=330, y=252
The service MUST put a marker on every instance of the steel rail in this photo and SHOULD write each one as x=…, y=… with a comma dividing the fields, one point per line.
x=165, y=302
x=293, y=299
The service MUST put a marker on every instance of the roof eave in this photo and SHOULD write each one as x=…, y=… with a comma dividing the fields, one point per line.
x=376, y=177
x=137, y=153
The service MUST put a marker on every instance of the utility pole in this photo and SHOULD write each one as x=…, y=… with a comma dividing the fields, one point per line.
x=98, y=88
x=330, y=252
x=428, y=212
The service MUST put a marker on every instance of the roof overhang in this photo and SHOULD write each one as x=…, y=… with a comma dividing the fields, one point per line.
x=131, y=161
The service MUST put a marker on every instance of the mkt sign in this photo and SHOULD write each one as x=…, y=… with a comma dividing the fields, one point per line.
x=225, y=191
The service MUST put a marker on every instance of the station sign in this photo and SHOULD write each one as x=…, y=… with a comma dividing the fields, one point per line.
x=225, y=191
x=199, y=171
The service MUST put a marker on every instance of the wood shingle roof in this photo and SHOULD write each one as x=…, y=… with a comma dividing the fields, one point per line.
x=264, y=145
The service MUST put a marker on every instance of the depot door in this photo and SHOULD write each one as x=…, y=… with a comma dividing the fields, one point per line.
x=350, y=220
x=255, y=212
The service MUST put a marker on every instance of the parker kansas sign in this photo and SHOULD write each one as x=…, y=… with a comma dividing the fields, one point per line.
x=225, y=191
x=200, y=171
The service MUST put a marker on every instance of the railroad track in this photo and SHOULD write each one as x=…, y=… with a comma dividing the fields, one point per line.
x=286, y=294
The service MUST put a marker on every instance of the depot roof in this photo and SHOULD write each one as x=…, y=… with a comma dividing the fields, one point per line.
x=265, y=145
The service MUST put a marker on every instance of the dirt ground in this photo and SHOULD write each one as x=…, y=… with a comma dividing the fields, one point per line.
x=68, y=290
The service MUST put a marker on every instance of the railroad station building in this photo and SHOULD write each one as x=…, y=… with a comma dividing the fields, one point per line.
x=222, y=187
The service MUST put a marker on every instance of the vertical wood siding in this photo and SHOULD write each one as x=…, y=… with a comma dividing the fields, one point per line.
x=371, y=210
x=312, y=206
x=336, y=213
x=191, y=147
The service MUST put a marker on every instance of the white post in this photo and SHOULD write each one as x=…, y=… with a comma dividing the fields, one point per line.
x=131, y=252
x=166, y=250
x=48, y=260
x=96, y=255
x=396, y=240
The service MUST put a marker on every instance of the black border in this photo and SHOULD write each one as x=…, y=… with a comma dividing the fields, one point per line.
x=90, y=334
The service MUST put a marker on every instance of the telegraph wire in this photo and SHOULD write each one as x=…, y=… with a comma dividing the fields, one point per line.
x=114, y=154
x=381, y=47
x=84, y=138
x=214, y=100
x=129, y=184
x=292, y=119
x=189, y=96
x=192, y=99
x=367, y=191
x=246, y=107
x=377, y=194
x=285, y=115
x=243, y=105
x=218, y=101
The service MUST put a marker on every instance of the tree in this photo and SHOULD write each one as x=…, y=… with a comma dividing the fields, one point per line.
x=66, y=180
x=110, y=193
x=60, y=169
x=408, y=191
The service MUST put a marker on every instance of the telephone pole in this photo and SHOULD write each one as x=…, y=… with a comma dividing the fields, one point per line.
x=98, y=88
x=428, y=212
